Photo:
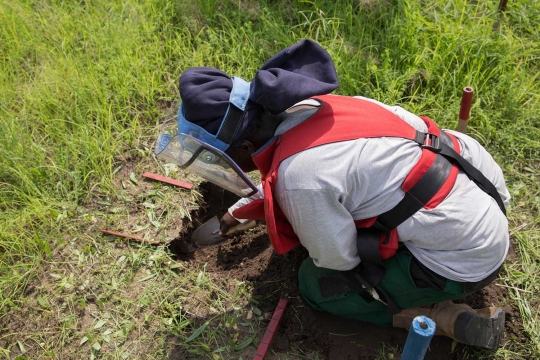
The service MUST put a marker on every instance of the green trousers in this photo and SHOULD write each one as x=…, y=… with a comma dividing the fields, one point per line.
x=397, y=282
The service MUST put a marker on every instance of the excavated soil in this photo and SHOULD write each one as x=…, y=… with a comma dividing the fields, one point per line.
x=250, y=257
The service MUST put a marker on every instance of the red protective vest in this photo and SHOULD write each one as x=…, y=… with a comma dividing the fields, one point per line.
x=339, y=118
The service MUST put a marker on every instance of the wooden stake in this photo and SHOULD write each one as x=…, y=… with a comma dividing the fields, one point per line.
x=131, y=237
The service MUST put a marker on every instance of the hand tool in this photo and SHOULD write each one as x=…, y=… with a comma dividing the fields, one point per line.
x=208, y=233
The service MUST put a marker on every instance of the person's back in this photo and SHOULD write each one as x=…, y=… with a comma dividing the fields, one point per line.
x=365, y=176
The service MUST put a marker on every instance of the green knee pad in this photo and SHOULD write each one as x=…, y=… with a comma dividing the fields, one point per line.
x=349, y=305
x=397, y=283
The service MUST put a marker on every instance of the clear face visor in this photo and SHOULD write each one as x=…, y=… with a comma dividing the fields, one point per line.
x=210, y=163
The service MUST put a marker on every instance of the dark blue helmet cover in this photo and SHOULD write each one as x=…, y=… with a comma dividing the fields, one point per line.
x=294, y=74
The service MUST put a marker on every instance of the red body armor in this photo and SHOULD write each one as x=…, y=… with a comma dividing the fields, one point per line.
x=339, y=118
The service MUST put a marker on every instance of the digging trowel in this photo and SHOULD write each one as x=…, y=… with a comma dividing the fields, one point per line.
x=208, y=233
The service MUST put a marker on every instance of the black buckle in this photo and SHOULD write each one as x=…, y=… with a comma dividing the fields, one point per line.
x=431, y=142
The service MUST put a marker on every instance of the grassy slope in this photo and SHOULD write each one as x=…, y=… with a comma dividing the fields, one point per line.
x=82, y=87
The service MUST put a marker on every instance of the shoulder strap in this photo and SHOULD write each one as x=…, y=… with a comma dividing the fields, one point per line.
x=422, y=192
x=433, y=143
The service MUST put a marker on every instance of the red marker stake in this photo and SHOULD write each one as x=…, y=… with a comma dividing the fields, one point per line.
x=167, y=180
x=464, y=111
x=271, y=329
x=132, y=237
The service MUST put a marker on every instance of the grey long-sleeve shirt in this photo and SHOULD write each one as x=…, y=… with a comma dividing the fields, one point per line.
x=323, y=189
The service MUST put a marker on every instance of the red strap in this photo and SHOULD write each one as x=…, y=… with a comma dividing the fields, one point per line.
x=358, y=118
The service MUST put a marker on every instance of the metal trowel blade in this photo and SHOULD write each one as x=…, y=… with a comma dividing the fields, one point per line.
x=207, y=234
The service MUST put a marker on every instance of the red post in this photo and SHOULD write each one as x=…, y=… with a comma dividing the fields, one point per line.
x=464, y=111
x=167, y=180
x=271, y=329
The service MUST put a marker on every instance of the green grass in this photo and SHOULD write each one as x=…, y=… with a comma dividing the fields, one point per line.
x=83, y=86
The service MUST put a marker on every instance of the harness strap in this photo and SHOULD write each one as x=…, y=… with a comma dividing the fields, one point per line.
x=433, y=143
x=418, y=196
x=371, y=270
x=474, y=174
x=421, y=193
x=367, y=244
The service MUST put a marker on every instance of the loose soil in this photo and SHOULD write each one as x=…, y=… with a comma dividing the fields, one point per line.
x=250, y=257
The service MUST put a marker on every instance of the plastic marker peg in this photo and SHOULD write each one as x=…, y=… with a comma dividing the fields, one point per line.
x=420, y=334
x=464, y=111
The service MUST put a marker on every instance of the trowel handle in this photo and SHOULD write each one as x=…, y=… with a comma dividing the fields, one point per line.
x=242, y=226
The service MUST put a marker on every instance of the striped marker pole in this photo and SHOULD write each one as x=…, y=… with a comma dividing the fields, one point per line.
x=420, y=334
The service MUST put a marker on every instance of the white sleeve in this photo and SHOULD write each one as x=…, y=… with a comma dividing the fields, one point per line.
x=245, y=201
x=323, y=225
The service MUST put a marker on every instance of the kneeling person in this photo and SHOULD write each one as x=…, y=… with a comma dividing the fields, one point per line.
x=398, y=216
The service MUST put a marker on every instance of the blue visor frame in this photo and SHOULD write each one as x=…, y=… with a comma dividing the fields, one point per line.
x=229, y=125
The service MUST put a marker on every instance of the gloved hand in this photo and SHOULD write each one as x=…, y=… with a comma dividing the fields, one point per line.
x=227, y=222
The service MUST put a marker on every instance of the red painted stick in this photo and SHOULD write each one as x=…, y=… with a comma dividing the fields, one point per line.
x=132, y=237
x=167, y=180
x=271, y=329
x=464, y=111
